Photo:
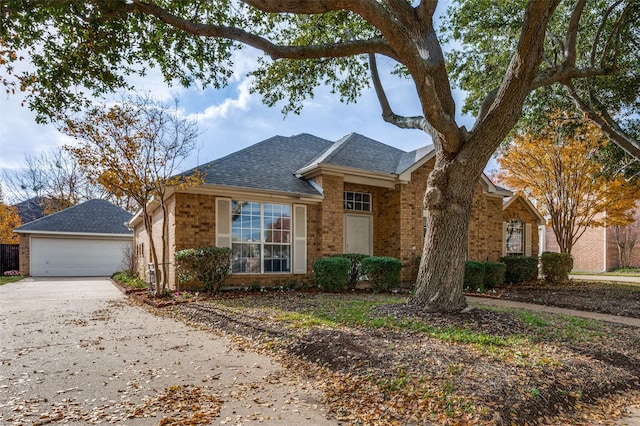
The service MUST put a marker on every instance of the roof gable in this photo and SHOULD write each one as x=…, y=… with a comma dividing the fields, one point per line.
x=527, y=204
x=93, y=216
x=356, y=151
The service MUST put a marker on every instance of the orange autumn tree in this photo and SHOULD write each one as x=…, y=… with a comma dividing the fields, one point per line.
x=556, y=167
x=9, y=220
x=134, y=149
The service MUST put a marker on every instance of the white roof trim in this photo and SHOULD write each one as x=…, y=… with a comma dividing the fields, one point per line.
x=423, y=155
x=532, y=209
x=77, y=234
x=333, y=148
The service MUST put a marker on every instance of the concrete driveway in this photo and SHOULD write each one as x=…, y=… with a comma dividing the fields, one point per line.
x=77, y=351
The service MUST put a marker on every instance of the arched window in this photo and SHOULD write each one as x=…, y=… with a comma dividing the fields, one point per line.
x=514, y=238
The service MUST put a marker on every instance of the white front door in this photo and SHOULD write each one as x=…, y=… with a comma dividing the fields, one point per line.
x=358, y=234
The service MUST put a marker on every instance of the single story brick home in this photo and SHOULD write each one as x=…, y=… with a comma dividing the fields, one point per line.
x=286, y=201
x=88, y=239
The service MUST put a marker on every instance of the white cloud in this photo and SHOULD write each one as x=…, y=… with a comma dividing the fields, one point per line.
x=221, y=111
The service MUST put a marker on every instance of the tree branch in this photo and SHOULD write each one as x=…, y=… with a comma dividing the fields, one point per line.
x=387, y=114
x=601, y=29
x=572, y=35
x=605, y=123
x=336, y=50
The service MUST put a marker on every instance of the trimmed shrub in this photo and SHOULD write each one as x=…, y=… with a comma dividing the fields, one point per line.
x=556, y=266
x=332, y=273
x=494, y=274
x=205, y=268
x=474, y=276
x=520, y=269
x=356, y=267
x=383, y=272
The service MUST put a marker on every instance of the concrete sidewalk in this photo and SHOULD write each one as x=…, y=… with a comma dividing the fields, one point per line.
x=79, y=352
x=635, y=322
x=634, y=280
x=627, y=279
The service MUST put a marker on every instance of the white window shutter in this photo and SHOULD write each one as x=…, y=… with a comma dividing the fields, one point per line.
x=299, y=239
x=504, y=239
x=527, y=239
x=223, y=222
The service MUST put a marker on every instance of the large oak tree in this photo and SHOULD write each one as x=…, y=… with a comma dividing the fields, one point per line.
x=91, y=46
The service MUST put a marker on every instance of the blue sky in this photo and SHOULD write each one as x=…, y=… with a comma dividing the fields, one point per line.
x=232, y=118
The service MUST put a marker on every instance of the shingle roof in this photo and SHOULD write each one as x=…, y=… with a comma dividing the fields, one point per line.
x=273, y=163
x=270, y=165
x=360, y=152
x=93, y=216
x=31, y=209
x=408, y=159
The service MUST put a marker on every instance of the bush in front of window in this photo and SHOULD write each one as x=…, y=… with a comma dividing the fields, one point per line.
x=332, y=273
x=204, y=268
x=383, y=272
x=556, y=266
x=356, y=267
x=473, y=276
x=494, y=274
x=520, y=269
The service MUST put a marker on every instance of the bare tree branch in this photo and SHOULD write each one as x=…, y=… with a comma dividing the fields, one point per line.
x=387, y=114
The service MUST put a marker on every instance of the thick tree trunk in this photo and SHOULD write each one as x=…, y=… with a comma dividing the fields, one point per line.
x=448, y=201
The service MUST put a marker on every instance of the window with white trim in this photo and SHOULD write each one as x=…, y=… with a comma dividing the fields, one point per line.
x=514, y=237
x=357, y=201
x=260, y=237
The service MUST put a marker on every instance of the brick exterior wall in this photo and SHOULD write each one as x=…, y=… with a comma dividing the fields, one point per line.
x=518, y=210
x=596, y=250
x=398, y=226
x=485, y=228
x=635, y=255
x=331, y=223
x=588, y=252
x=24, y=255
x=143, y=258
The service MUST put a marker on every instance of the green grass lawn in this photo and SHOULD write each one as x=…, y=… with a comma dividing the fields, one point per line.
x=11, y=279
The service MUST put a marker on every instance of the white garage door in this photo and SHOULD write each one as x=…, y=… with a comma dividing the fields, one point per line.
x=59, y=257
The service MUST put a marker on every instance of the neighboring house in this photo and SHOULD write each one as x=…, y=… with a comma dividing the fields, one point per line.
x=595, y=251
x=89, y=239
x=522, y=222
x=287, y=201
x=31, y=209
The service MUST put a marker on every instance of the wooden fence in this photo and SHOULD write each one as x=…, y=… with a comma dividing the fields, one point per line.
x=9, y=258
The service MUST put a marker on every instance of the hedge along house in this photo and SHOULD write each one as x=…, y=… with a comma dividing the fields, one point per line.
x=523, y=227
x=284, y=202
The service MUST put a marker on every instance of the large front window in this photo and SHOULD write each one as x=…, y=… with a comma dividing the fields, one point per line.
x=515, y=238
x=261, y=237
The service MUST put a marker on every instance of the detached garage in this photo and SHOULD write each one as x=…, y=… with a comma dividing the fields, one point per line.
x=89, y=239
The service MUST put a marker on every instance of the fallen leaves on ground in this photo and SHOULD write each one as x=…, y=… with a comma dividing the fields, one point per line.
x=526, y=373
